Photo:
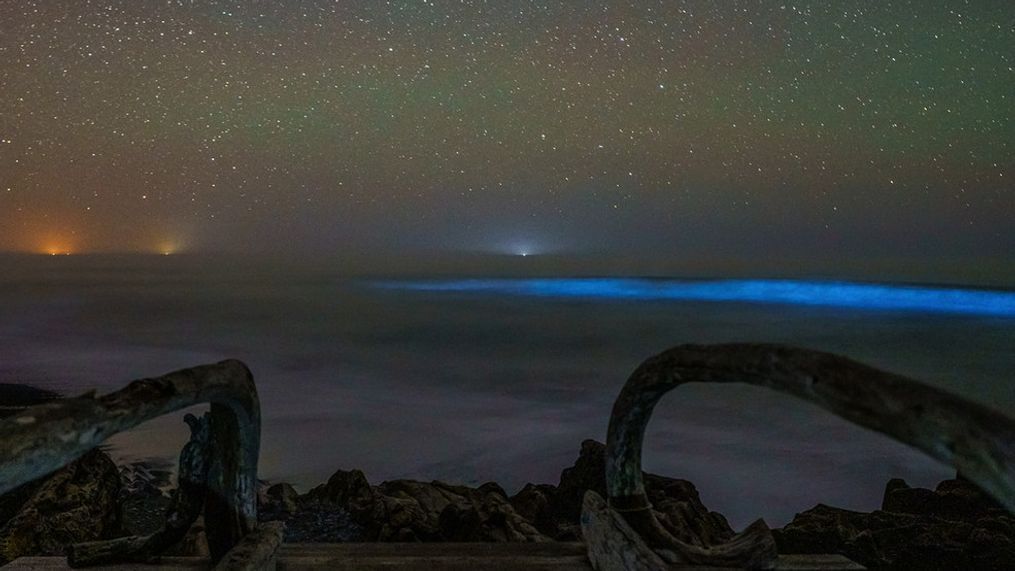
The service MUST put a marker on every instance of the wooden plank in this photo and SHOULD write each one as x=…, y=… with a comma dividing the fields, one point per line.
x=433, y=549
x=438, y=563
x=817, y=562
x=429, y=556
x=60, y=564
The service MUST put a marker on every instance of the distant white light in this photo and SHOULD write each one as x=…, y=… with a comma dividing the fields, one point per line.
x=522, y=249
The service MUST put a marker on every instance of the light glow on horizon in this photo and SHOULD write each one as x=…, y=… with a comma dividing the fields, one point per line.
x=878, y=297
x=169, y=245
x=57, y=250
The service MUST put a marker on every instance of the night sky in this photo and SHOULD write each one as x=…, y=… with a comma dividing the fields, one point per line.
x=668, y=128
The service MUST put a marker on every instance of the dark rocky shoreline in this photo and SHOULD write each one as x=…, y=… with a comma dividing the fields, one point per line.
x=955, y=526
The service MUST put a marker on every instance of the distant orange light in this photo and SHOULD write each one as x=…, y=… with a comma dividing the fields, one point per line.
x=169, y=246
x=57, y=250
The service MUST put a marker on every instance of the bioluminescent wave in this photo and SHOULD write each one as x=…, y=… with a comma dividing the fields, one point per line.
x=883, y=297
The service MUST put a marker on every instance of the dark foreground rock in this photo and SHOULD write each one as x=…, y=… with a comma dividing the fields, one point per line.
x=76, y=503
x=956, y=526
x=555, y=510
x=79, y=502
x=145, y=495
x=405, y=510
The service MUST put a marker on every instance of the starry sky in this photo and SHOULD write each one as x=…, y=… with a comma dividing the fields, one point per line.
x=653, y=128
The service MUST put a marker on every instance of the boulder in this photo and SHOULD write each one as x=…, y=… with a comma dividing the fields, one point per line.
x=342, y=488
x=317, y=523
x=956, y=526
x=145, y=492
x=555, y=511
x=956, y=500
x=488, y=516
x=537, y=504
x=74, y=504
x=320, y=516
x=281, y=500
x=12, y=502
x=407, y=510
x=825, y=529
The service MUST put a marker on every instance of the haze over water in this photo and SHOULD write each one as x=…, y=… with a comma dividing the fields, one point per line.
x=473, y=386
x=858, y=140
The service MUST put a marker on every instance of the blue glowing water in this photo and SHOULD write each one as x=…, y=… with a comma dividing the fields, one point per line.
x=881, y=297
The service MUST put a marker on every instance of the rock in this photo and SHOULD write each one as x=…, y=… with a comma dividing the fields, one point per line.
x=407, y=510
x=12, y=502
x=488, y=517
x=555, y=511
x=957, y=499
x=588, y=473
x=144, y=497
x=536, y=503
x=342, y=488
x=315, y=523
x=281, y=499
x=825, y=529
x=679, y=509
x=956, y=526
x=76, y=503
x=318, y=516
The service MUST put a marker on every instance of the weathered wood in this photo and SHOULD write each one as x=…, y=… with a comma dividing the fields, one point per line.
x=60, y=564
x=435, y=549
x=257, y=550
x=550, y=556
x=231, y=499
x=43, y=438
x=185, y=507
x=980, y=442
x=612, y=543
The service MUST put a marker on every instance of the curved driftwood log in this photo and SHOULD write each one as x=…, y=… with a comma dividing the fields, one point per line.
x=44, y=438
x=185, y=507
x=978, y=441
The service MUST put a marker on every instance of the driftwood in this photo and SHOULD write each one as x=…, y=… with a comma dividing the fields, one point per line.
x=43, y=438
x=185, y=507
x=612, y=543
x=978, y=441
x=257, y=551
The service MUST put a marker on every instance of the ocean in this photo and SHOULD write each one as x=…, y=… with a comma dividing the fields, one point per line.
x=468, y=380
